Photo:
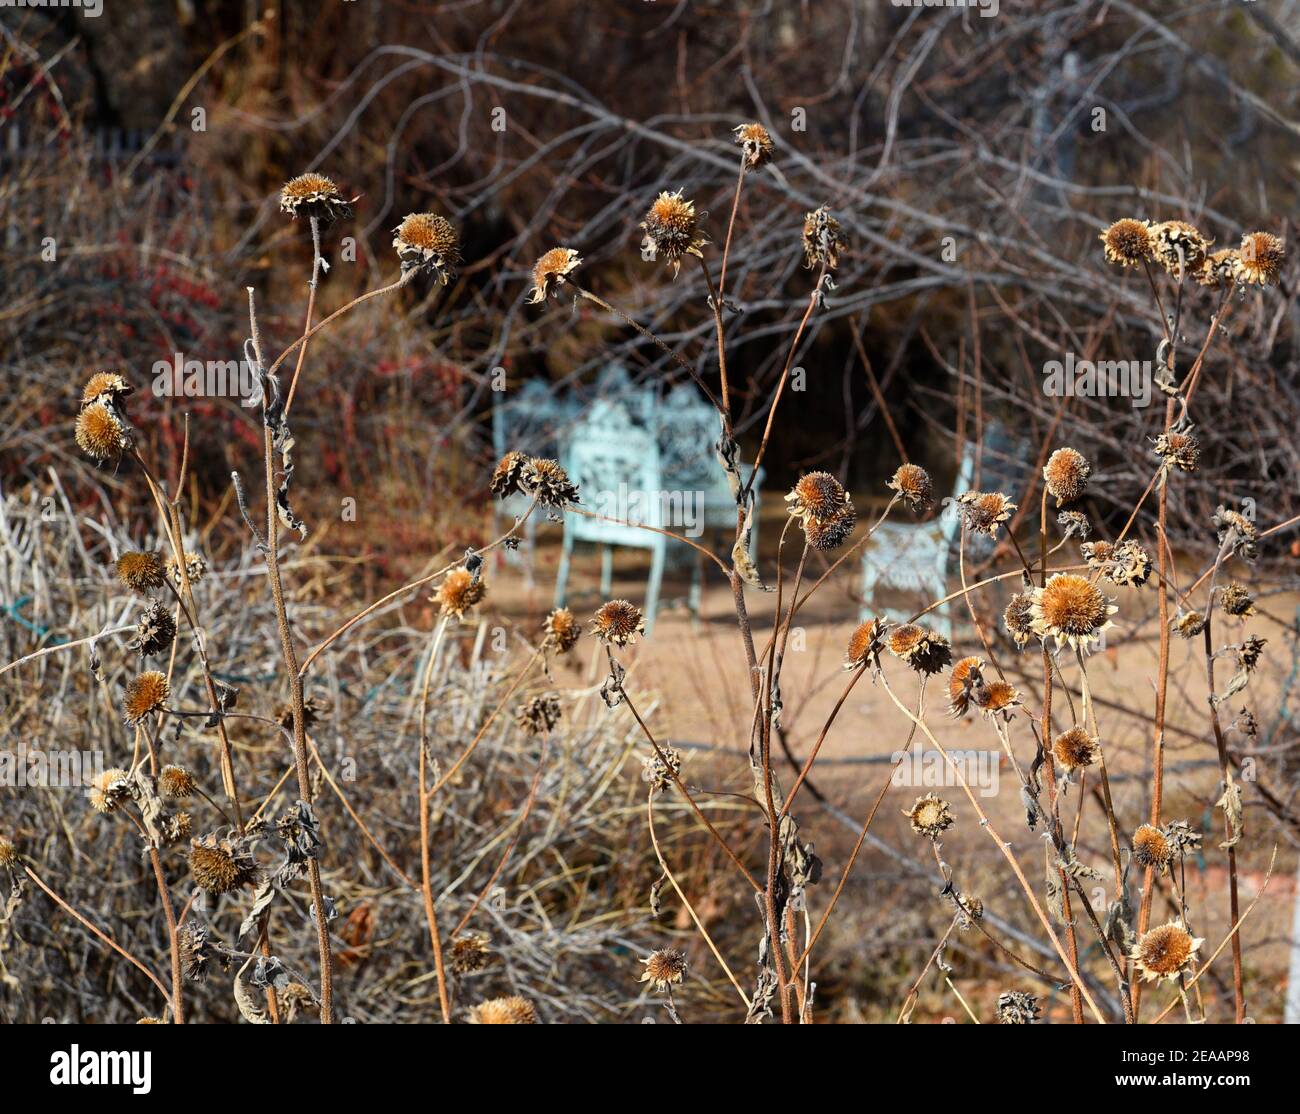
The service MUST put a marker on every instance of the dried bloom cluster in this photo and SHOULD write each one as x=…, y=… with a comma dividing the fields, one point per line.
x=430, y=243
x=313, y=196
x=145, y=694
x=220, y=865
x=155, y=630
x=1179, y=247
x=561, y=631
x=618, y=622
x=823, y=239
x=913, y=484
x=985, y=511
x=755, y=143
x=664, y=968
x=513, y=1010
x=1129, y=565
x=470, y=953
x=1166, y=952
x=1069, y=609
x=1249, y=653
x=930, y=816
x=1015, y=1007
x=553, y=267
x=1182, y=837
x=1066, y=474
x=175, y=783
x=539, y=715
x=1178, y=450
x=1075, y=750
x=924, y=650
x=1152, y=849
x=865, y=645
x=1237, y=533
x=141, y=572
x=1236, y=600
x=672, y=230
x=459, y=592
x=539, y=477
x=101, y=430
x=823, y=509
x=1185, y=253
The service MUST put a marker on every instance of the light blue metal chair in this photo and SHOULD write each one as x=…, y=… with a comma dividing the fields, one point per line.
x=615, y=463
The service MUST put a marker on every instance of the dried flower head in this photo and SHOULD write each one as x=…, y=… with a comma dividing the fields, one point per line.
x=1249, y=653
x=1178, y=450
x=1151, y=848
x=1066, y=474
x=618, y=623
x=1074, y=524
x=549, y=483
x=196, y=952
x=822, y=239
x=428, y=242
x=313, y=195
x=912, y=482
x=1015, y=1007
x=966, y=678
x=1188, y=624
x=825, y=534
x=539, y=715
x=1166, y=951
x=985, y=511
x=140, y=571
x=459, y=592
x=145, y=694
x=504, y=1011
x=313, y=707
x=1237, y=532
x=664, y=968
x=1220, y=268
x=819, y=494
x=221, y=865
x=1070, y=609
x=155, y=630
x=1259, y=261
x=865, y=645
x=658, y=773
x=1075, y=749
x=923, y=649
x=101, y=432
x=470, y=953
x=8, y=853
x=175, y=783
x=998, y=698
x=1128, y=242
x=1236, y=600
x=176, y=828
x=507, y=477
x=1097, y=554
x=562, y=631
x=553, y=267
x=672, y=230
x=969, y=909
x=1182, y=837
x=108, y=789
x=1018, y=618
x=107, y=385
x=756, y=144
x=1179, y=247
x=1129, y=565
x=195, y=568
x=930, y=816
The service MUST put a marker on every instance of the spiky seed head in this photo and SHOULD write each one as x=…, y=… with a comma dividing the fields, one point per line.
x=141, y=571
x=1015, y=1007
x=1237, y=532
x=459, y=592
x=430, y=243
x=618, y=623
x=1018, y=618
x=1259, y=261
x=817, y=493
x=865, y=644
x=470, y=953
x=912, y=482
x=539, y=715
x=1129, y=565
x=175, y=783
x=1151, y=848
x=549, y=482
x=1182, y=837
x=145, y=694
x=660, y=773
x=1128, y=242
x=1250, y=651
x=101, y=433
x=756, y=143
x=1097, y=554
x=966, y=677
x=1220, y=269
x=825, y=534
x=1178, y=450
x=924, y=650
x=985, y=511
x=8, y=853
x=1074, y=524
x=155, y=630
x=823, y=239
x=221, y=865
x=1166, y=952
x=195, y=568
x=1179, y=247
x=553, y=267
x=1188, y=624
x=106, y=385
x=562, y=630
x=1070, y=609
x=504, y=1011
x=1075, y=749
x=507, y=476
x=999, y=697
x=664, y=968
x=1066, y=474
x=672, y=230
x=313, y=195
x=108, y=789
x=1236, y=600
x=930, y=816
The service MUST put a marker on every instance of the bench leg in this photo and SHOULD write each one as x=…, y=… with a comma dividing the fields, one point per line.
x=606, y=570
x=653, y=585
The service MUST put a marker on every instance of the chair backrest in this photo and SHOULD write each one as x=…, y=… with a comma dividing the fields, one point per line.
x=531, y=420
x=615, y=463
x=615, y=384
x=686, y=431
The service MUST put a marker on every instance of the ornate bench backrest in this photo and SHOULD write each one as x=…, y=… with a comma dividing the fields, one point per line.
x=615, y=463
